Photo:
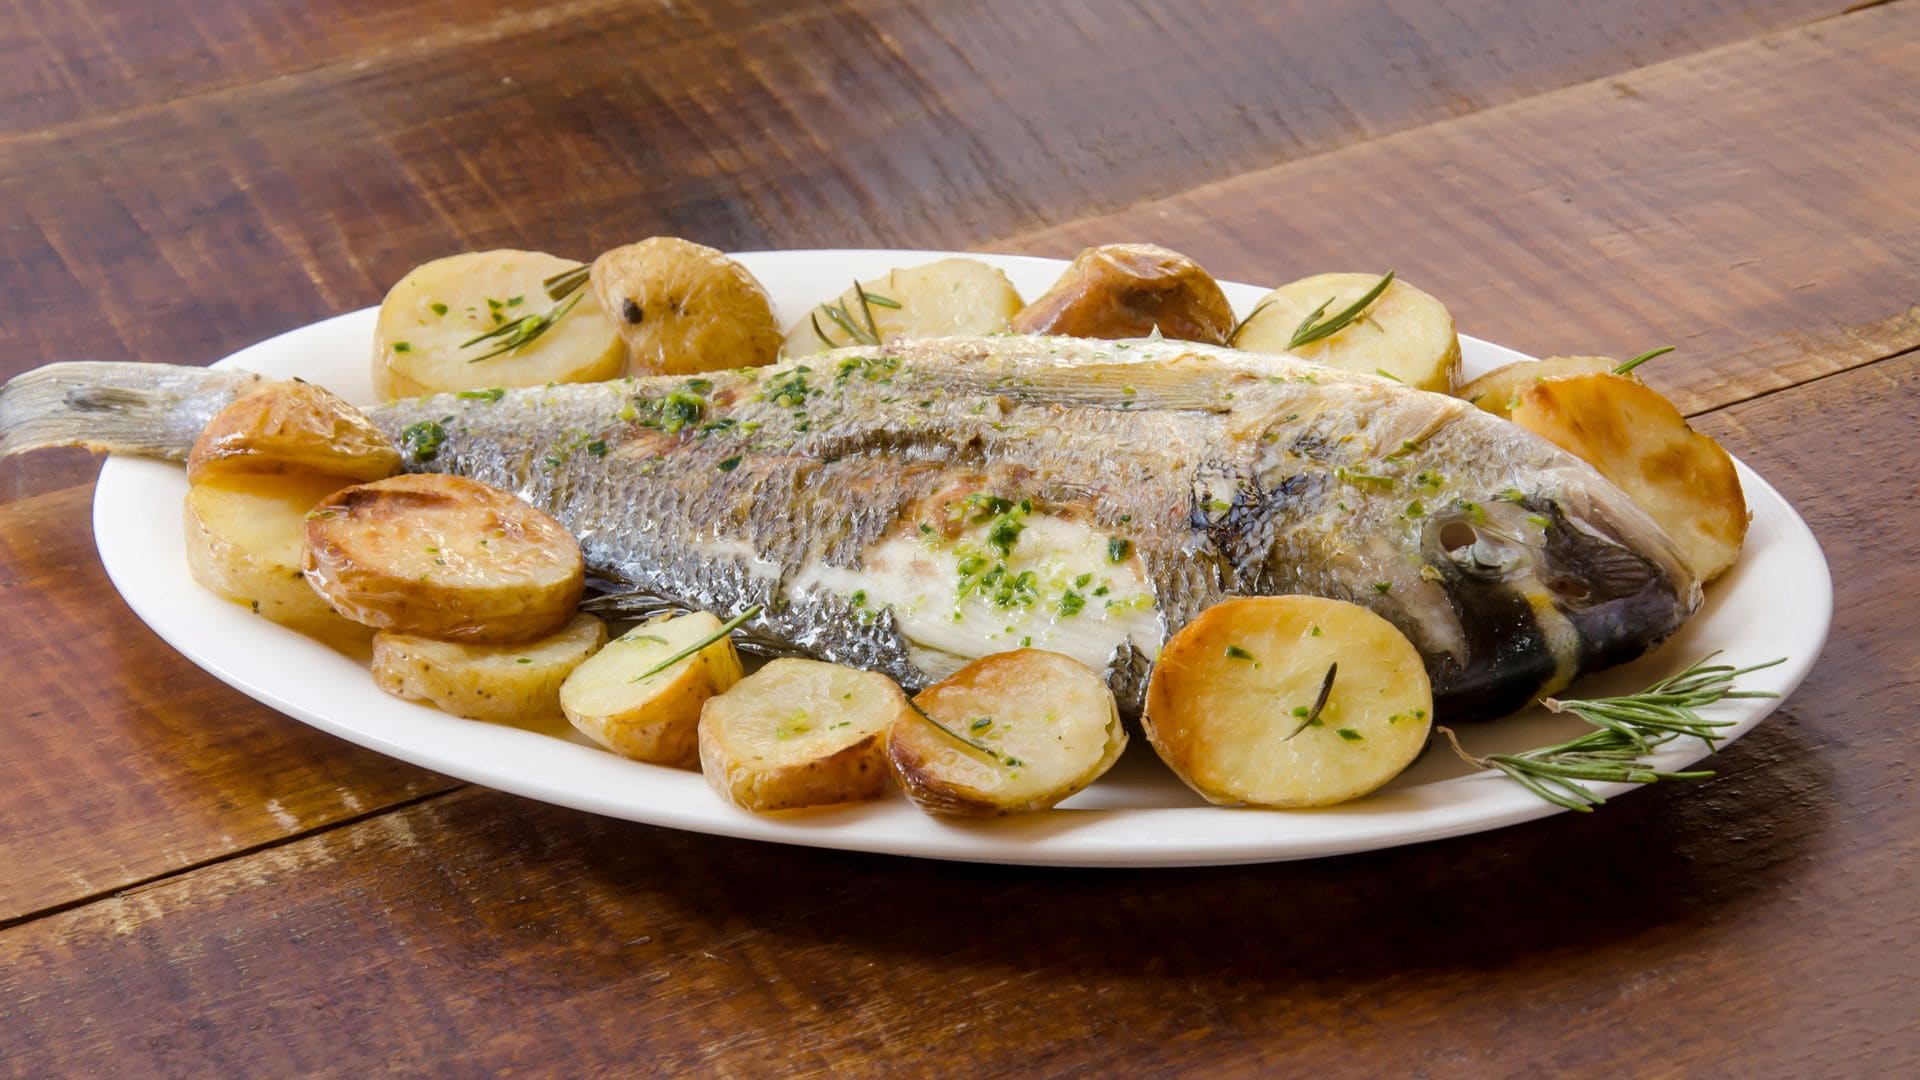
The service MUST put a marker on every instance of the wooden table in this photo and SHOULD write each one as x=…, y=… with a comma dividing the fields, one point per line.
x=191, y=883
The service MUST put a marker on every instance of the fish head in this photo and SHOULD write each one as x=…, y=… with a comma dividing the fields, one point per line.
x=1547, y=583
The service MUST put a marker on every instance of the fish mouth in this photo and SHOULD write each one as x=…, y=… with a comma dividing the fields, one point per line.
x=1544, y=595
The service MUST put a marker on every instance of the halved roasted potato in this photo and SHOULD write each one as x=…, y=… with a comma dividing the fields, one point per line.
x=292, y=426
x=1404, y=334
x=951, y=296
x=424, y=342
x=684, y=308
x=1127, y=291
x=1008, y=733
x=1287, y=701
x=628, y=697
x=800, y=733
x=443, y=557
x=1684, y=480
x=504, y=684
x=244, y=537
x=1498, y=391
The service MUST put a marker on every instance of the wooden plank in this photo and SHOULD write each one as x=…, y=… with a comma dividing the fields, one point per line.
x=123, y=760
x=748, y=126
x=1758, y=923
x=63, y=60
x=1754, y=206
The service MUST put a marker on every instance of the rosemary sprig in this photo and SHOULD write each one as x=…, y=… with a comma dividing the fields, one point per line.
x=1234, y=334
x=842, y=317
x=562, y=285
x=1008, y=760
x=1629, y=727
x=1643, y=358
x=1312, y=328
x=1319, y=701
x=726, y=628
x=521, y=331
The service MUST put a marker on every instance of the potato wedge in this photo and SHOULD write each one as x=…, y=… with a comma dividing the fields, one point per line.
x=443, y=557
x=684, y=308
x=1636, y=438
x=1498, y=391
x=951, y=296
x=1022, y=731
x=244, y=537
x=503, y=684
x=612, y=699
x=420, y=344
x=800, y=733
x=1405, y=334
x=1126, y=291
x=1230, y=704
x=292, y=427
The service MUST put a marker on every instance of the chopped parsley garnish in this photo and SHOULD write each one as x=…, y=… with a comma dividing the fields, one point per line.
x=1235, y=652
x=491, y=394
x=422, y=440
x=730, y=464
x=1118, y=548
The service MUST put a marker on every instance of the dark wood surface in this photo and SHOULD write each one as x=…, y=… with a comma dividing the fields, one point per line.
x=193, y=884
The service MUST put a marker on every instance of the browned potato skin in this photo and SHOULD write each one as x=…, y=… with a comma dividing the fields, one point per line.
x=292, y=427
x=1124, y=291
x=683, y=308
x=1008, y=673
x=1499, y=390
x=362, y=556
x=1636, y=438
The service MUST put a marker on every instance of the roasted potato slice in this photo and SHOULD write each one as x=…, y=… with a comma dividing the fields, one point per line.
x=1498, y=391
x=619, y=700
x=1126, y=291
x=1231, y=705
x=503, y=684
x=951, y=296
x=684, y=308
x=292, y=427
x=800, y=733
x=443, y=557
x=1404, y=334
x=424, y=340
x=1638, y=440
x=1008, y=733
x=244, y=536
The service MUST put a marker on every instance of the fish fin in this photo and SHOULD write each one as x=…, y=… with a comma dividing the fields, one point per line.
x=1145, y=387
x=153, y=410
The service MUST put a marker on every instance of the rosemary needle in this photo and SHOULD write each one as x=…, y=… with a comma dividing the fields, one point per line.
x=1008, y=760
x=1628, y=727
x=1313, y=328
x=1643, y=358
x=521, y=331
x=1319, y=701
x=562, y=284
x=726, y=628
x=1234, y=334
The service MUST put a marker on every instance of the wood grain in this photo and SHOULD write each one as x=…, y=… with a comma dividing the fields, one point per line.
x=1755, y=924
x=1753, y=205
x=125, y=761
x=747, y=127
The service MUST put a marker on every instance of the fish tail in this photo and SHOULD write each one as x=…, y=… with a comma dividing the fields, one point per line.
x=151, y=410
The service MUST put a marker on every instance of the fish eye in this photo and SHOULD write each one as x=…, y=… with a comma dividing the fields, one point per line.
x=1457, y=536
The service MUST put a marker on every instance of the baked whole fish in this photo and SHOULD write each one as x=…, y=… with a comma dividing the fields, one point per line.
x=909, y=507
